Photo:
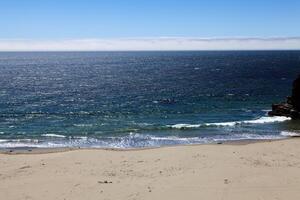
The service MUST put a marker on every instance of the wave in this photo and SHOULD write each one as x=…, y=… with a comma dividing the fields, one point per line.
x=53, y=135
x=63, y=136
x=261, y=120
x=134, y=140
x=290, y=133
x=83, y=125
x=185, y=126
x=139, y=140
x=266, y=110
x=79, y=137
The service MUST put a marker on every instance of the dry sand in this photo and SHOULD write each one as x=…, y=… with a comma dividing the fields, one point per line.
x=268, y=170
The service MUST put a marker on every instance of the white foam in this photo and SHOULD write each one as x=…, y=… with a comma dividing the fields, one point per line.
x=83, y=125
x=33, y=145
x=266, y=110
x=174, y=138
x=261, y=120
x=222, y=124
x=183, y=126
x=62, y=136
x=79, y=137
x=290, y=134
x=54, y=135
x=134, y=140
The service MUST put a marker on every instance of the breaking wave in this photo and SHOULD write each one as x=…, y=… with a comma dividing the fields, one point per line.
x=134, y=140
x=290, y=134
x=261, y=120
x=140, y=140
x=54, y=135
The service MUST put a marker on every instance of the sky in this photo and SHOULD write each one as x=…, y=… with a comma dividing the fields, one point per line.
x=149, y=24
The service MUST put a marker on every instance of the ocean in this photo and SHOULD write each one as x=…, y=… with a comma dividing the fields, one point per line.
x=143, y=99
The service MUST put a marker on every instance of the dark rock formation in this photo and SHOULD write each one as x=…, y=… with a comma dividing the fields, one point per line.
x=295, y=99
x=290, y=108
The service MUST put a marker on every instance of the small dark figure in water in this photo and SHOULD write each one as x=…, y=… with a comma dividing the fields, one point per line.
x=290, y=108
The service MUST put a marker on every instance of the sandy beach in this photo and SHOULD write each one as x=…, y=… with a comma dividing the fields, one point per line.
x=263, y=170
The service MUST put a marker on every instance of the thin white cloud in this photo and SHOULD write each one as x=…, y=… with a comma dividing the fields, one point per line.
x=162, y=43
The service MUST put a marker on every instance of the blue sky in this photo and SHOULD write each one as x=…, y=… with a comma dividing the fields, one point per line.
x=108, y=19
x=47, y=19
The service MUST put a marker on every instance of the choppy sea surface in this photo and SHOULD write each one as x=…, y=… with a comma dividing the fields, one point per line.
x=143, y=99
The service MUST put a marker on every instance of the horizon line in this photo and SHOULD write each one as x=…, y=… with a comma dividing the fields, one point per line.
x=152, y=44
x=116, y=51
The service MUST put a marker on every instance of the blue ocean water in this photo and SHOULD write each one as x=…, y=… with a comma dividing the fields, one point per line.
x=143, y=99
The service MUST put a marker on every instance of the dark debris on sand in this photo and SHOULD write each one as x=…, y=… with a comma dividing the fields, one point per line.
x=104, y=182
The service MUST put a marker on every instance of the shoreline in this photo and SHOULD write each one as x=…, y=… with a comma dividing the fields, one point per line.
x=37, y=150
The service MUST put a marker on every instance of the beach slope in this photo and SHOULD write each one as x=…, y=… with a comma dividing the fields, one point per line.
x=262, y=171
